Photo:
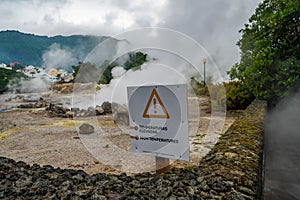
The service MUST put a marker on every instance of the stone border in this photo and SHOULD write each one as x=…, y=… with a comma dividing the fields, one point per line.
x=237, y=158
x=231, y=170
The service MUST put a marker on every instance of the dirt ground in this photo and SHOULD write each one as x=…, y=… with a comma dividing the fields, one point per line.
x=30, y=135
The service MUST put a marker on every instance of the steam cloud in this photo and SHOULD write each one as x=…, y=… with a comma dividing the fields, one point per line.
x=214, y=23
x=282, y=156
x=57, y=57
x=36, y=85
x=162, y=68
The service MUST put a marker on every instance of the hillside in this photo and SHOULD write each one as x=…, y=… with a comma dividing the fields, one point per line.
x=28, y=49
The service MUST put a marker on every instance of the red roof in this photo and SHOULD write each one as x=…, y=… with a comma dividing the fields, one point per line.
x=12, y=64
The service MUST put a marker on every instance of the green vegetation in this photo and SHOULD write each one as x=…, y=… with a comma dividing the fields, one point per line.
x=28, y=48
x=270, y=57
x=270, y=51
x=135, y=60
x=8, y=76
x=107, y=75
x=237, y=98
x=199, y=88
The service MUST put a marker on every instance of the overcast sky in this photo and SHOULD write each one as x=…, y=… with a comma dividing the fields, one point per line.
x=212, y=23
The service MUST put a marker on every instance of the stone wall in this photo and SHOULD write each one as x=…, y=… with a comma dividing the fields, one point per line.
x=235, y=162
x=231, y=170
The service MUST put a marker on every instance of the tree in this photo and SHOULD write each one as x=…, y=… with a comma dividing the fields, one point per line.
x=107, y=75
x=136, y=59
x=32, y=73
x=76, y=69
x=270, y=51
x=86, y=72
x=9, y=77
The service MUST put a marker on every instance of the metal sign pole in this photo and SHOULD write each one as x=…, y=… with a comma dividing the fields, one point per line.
x=162, y=164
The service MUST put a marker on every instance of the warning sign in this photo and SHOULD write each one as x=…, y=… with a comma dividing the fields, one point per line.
x=159, y=110
x=158, y=120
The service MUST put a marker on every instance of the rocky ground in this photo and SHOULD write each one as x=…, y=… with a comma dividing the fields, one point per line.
x=42, y=131
x=231, y=170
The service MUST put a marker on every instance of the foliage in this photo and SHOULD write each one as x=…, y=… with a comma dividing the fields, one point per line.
x=107, y=75
x=7, y=76
x=76, y=69
x=136, y=59
x=237, y=98
x=199, y=88
x=270, y=50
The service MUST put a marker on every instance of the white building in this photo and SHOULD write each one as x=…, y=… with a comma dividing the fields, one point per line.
x=4, y=66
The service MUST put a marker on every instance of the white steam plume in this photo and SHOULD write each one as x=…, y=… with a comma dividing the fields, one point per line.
x=57, y=57
x=35, y=85
x=161, y=70
x=281, y=144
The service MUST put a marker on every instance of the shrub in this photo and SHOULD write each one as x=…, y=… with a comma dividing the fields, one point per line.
x=236, y=97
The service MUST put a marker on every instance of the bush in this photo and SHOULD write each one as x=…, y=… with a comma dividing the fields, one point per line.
x=199, y=88
x=236, y=97
x=7, y=76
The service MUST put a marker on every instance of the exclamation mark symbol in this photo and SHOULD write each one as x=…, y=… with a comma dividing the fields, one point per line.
x=154, y=103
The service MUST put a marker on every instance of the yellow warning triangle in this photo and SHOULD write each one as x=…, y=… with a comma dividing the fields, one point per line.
x=154, y=95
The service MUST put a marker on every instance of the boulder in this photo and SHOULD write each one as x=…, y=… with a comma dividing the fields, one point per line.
x=121, y=118
x=106, y=107
x=91, y=109
x=86, y=129
x=70, y=114
x=99, y=110
x=75, y=109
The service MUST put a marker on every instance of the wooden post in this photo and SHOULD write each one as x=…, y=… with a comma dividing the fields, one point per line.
x=162, y=164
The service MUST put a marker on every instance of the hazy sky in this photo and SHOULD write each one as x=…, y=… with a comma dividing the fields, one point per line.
x=212, y=23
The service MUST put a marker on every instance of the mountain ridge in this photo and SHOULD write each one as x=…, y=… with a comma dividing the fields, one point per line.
x=28, y=49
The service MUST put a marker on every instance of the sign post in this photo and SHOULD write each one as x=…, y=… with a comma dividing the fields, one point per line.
x=159, y=123
x=162, y=164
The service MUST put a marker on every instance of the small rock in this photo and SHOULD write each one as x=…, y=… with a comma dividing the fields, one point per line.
x=141, y=191
x=91, y=109
x=246, y=190
x=135, y=184
x=230, y=155
x=97, y=196
x=106, y=107
x=86, y=129
x=99, y=110
x=70, y=114
x=190, y=191
x=209, y=157
x=200, y=179
x=75, y=109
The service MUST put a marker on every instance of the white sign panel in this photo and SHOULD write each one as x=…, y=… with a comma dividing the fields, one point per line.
x=158, y=120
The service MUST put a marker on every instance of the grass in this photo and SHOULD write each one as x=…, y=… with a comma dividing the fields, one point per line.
x=70, y=123
x=4, y=134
